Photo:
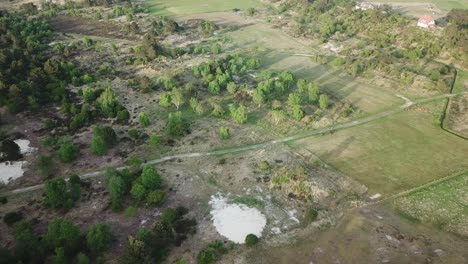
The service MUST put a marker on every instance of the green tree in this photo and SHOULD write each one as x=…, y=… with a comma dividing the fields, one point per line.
x=297, y=113
x=231, y=87
x=259, y=97
x=117, y=189
x=313, y=92
x=138, y=191
x=67, y=152
x=81, y=258
x=323, y=101
x=196, y=106
x=98, y=238
x=216, y=48
x=177, y=97
x=59, y=257
x=176, y=125
x=294, y=99
x=108, y=102
x=144, y=119
x=224, y=133
x=104, y=138
x=156, y=198
x=27, y=244
x=57, y=194
x=62, y=233
x=44, y=164
x=169, y=216
x=239, y=114
x=251, y=240
x=74, y=184
x=165, y=100
x=150, y=178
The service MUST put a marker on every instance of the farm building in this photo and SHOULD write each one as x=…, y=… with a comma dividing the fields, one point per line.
x=426, y=22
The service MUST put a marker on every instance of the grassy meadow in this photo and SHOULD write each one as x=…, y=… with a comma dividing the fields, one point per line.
x=185, y=7
x=394, y=154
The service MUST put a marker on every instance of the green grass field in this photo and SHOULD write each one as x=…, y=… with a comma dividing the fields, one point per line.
x=444, y=205
x=277, y=50
x=186, y=7
x=394, y=154
x=442, y=4
x=461, y=82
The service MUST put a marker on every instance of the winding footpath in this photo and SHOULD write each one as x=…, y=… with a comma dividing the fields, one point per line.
x=408, y=103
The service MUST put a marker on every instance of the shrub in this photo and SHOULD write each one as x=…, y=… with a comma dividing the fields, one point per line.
x=150, y=178
x=176, y=125
x=169, y=216
x=311, y=215
x=123, y=115
x=138, y=191
x=104, y=138
x=130, y=212
x=68, y=152
x=239, y=114
x=144, y=119
x=156, y=198
x=224, y=133
x=251, y=240
x=44, y=164
x=323, y=101
x=12, y=217
x=62, y=233
x=154, y=140
x=250, y=11
x=82, y=259
x=98, y=238
x=207, y=256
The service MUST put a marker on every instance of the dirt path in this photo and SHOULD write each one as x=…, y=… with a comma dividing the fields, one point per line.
x=260, y=145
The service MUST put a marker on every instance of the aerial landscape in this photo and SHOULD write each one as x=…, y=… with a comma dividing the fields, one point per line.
x=233, y=131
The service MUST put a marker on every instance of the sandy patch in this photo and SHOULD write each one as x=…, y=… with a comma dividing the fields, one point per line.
x=235, y=221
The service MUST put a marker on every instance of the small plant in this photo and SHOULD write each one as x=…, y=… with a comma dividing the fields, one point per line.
x=224, y=133
x=264, y=165
x=311, y=215
x=130, y=212
x=251, y=240
x=250, y=11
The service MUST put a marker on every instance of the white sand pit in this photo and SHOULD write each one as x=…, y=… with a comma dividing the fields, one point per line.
x=11, y=170
x=25, y=149
x=235, y=221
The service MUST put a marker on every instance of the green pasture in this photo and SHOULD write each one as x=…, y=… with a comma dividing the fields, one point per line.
x=186, y=7
x=394, y=154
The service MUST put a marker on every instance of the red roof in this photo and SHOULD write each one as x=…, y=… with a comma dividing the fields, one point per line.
x=426, y=19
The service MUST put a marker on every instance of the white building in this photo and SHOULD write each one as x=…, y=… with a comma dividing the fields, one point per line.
x=426, y=22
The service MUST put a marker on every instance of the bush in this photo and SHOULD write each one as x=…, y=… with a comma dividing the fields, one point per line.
x=44, y=163
x=130, y=212
x=250, y=11
x=68, y=152
x=169, y=216
x=154, y=140
x=98, y=238
x=104, y=138
x=138, y=191
x=176, y=126
x=251, y=240
x=311, y=215
x=264, y=165
x=224, y=133
x=207, y=256
x=62, y=233
x=12, y=217
x=156, y=198
x=150, y=178
x=144, y=119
